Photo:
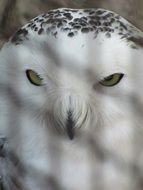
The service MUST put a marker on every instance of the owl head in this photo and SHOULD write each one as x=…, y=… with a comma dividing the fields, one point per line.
x=79, y=70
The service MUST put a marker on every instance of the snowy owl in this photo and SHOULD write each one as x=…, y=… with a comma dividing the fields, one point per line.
x=71, y=104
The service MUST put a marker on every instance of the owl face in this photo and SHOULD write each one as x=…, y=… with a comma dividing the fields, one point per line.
x=88, y=83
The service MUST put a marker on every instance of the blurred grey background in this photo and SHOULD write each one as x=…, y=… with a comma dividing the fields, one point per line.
x=15, y=13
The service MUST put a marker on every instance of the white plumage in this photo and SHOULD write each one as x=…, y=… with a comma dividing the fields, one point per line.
x=71, y=101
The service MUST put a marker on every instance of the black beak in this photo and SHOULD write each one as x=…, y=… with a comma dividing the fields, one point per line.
x=2, y=143
x=70, y=125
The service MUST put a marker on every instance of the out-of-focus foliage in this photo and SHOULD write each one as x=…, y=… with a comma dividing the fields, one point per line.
x=15, y=13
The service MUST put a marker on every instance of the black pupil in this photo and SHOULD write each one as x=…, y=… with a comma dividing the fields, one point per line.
x=38, y=76
x=109, y=78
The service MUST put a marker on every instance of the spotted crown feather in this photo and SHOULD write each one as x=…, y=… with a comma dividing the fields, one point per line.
x=73, y=21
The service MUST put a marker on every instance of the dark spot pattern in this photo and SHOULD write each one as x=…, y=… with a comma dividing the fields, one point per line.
x=71, y=34
x=71, y=22
x=137, y=41
x=19, y=36
x=40, y=31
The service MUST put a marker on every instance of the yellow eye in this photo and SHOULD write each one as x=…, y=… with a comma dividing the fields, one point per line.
x=34, y=78
x=112, y=79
